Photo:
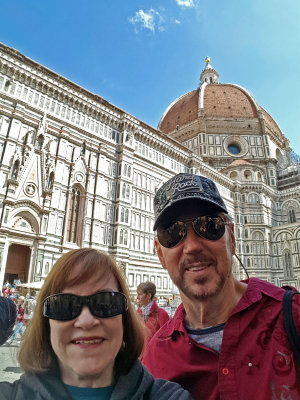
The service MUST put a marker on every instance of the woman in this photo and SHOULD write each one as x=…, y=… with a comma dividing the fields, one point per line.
x=153, y=316
x=84, y=339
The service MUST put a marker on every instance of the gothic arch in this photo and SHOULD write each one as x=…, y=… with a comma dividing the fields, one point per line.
x=289, y=203
x=22, y=220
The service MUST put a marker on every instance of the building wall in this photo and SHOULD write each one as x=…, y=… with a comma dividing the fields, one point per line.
x=76, y=171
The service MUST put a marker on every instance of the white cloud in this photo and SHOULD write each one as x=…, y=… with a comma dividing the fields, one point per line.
x=185, y=3
x=147, y=19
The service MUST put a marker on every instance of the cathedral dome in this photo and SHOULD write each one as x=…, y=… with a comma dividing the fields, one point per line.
x=214, y=100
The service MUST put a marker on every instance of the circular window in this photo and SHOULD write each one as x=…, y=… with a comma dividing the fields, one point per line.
x=30, y=189
x=234, y=148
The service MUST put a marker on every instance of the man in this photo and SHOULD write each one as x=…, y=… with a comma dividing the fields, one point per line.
x=153, y=316
x=20, y=320
x=227, y=339
x=8, y=313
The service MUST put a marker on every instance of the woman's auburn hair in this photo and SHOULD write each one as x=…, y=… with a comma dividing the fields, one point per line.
x=36, y=353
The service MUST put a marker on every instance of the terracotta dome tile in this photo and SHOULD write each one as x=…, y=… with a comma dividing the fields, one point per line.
x=228, y=101
x=183, y=111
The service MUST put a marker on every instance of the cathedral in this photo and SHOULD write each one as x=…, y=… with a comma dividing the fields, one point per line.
x=77, y=171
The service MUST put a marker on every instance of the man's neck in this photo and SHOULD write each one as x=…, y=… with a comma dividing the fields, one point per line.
x=213, y=310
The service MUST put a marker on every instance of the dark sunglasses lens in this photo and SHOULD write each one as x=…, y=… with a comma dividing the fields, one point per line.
x=65, y=307
x=211, y=228
x=62, y=307
x=107, y=304
x=171, y=236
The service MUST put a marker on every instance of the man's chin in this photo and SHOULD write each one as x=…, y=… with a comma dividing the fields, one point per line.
x=202, y=290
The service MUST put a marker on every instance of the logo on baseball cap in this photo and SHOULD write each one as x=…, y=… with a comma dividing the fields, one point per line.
x=182, y=187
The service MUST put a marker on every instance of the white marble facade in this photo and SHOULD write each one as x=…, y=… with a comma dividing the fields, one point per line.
x=76, y=171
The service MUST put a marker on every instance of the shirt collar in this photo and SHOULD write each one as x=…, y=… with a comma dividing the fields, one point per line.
x=146, y=309
x=256, y=289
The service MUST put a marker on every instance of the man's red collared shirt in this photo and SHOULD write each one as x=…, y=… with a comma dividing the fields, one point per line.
x=256, y=361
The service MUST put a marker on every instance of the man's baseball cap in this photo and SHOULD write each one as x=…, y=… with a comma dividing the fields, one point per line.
x=182, y=187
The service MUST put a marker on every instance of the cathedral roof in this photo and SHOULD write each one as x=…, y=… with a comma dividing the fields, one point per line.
x=212, y=99
x=239, y=162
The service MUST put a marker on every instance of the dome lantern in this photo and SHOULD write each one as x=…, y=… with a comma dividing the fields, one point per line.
x=209, y=74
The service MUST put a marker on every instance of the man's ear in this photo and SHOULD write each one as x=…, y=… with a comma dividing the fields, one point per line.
x=159, y=253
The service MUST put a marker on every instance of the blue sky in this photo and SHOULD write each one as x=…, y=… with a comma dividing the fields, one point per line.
x=141, y=55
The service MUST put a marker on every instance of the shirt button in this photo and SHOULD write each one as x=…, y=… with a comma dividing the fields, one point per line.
x=225, y=371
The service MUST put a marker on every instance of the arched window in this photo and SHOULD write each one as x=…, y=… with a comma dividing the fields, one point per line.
x=233, y=175
x=127, y=192
x=123, y=190
x=258, y=249
x=75, y=218
x=248, y=175
x=126, y=215
x=39, y=268
x=288, y=265
x=123, y=237
x=46, y=269
x=291, y=216
x=122, y=214
x=15, y=169
x=253, y=198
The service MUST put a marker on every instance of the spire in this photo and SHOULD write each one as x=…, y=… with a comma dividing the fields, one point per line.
x=209, y=74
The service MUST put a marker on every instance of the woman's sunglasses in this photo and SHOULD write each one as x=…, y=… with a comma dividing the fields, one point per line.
x=66, y=306
x=207, y=227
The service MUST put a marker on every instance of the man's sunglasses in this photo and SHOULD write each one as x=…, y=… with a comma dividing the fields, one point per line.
x=66, y=306
x=207, y=227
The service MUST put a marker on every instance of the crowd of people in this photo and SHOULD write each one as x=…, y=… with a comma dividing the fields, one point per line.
x=227, y=339
x=24, y=306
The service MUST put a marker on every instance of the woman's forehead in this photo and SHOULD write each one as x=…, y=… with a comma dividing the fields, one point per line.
x=80, y=274
x=92, y=285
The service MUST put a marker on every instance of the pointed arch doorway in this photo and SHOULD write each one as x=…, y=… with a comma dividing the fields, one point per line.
x=17, y=264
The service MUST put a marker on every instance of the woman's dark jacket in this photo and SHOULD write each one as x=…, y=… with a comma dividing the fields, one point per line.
x=138, y=384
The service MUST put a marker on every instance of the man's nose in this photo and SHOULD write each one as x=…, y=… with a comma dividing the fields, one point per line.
x=192, y=241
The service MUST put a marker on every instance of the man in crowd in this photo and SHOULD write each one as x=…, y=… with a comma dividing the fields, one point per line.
x=227, y=338
x=153, y=316
x=20, y=320
x=8, y=313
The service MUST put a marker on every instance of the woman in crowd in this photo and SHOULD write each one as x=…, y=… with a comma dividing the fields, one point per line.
x=84, y=339
x=154, y=317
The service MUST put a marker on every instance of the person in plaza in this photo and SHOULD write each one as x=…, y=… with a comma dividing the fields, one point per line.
x=154, y=317
x=8, y=314
x=227, y=339
x=29, y=307
x=84, y=339
x=20, y=321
